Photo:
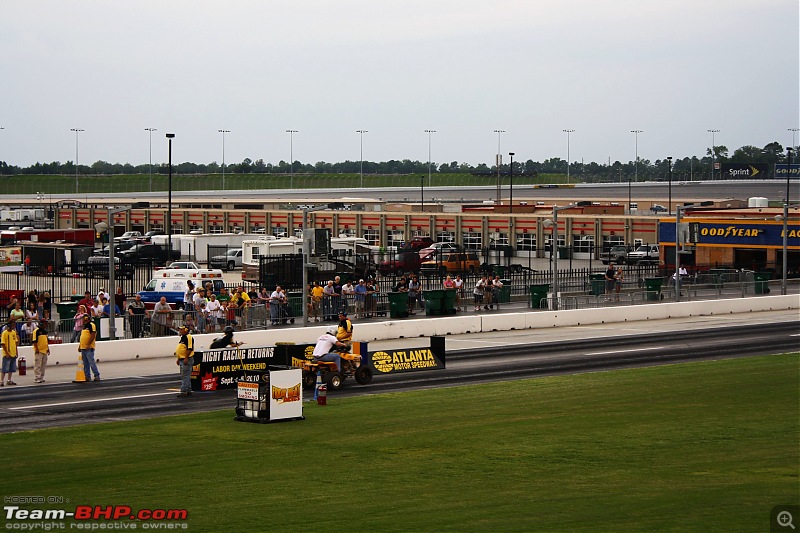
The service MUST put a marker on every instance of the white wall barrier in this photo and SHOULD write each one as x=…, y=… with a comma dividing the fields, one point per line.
x=126, y=349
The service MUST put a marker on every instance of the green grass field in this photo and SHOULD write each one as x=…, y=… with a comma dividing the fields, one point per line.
x=708, y=446
x=63, y=184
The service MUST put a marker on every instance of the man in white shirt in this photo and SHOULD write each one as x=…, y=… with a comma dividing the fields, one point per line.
x=214, y=310
x=322, y=350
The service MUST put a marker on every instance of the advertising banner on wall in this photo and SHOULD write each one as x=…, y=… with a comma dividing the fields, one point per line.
x=746, y=171
x=762, y=234
x=221, y=369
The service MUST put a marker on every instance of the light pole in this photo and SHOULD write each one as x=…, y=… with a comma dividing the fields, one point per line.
x=499, y=161
x=422, y=193
x=636, y=161
x=793, y=130
x=669, y=187
x=712, y=132
x=511, y=184
x=362, y=132
x=168, y=225
x=785, y=262
x=554, y=246
x=429, y=132
x=291, y=157
x=150, y=131
x=567, y=132
x=77, y=131
x=223, y=132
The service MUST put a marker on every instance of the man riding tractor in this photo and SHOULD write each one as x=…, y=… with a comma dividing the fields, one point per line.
x=333, y=361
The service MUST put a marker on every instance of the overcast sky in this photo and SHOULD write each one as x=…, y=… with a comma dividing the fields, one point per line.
x=672, y=68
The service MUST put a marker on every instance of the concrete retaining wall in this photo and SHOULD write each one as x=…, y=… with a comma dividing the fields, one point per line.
x=425, y=327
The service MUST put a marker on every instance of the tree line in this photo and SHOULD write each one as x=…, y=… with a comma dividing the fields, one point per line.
x=682, y=168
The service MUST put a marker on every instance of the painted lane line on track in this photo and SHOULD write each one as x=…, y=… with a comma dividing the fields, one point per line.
x=631, y=350
x=91, y=401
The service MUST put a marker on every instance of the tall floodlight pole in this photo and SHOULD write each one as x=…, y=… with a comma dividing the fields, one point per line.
x=150, y=131
x=713, y=143
x=77, y=131
x=2, y=128
x=362, y=132
x=785, y=263
x=568, y=132
x=429, y=132
x=223, y=132
x=168, y=225
x=498, y=161
x=793, y=130
x=511, y=183
x=669, y=165
x=291, y=158
x=636, y=162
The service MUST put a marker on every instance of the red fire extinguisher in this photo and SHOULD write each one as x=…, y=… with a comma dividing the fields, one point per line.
x=22, y=366
x=322, y=395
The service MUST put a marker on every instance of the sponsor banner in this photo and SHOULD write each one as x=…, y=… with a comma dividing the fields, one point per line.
x=409, y=359
x=740, y=234
x=222, y=369
x=10, y=256
x=738, y=171
x=286, y=394
x=782, y=169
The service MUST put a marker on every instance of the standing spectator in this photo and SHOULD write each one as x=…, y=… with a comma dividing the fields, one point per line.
x=329, y=301
x=33, y=298
x=360, y=298
x=224, y=302
x=214, y=312
x=609, y=278
x=497, y=285
x=619, y=277
x=137, y=312
x=413, y=294
x=86, y=349
x=41, y=349
x=185, y=354
x=458, y=283
x=477, y=293
x=348, y=291
x=242, y=301
x=372, y=298
x=9, y=340
x=202, y=317
x=106, y=311
x=317, y=292
x=27, y=265
x=276, y=302
x=87, y=301
x=162, y=317
x=43, y=308
x=30, y=325
x=102, y=294
x=78, y=326
x=119, y=299
x=448, y=283
x=188, y=297
x=199, y=298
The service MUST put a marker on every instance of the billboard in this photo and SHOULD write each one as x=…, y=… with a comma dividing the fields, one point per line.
x=793, y=170
x=745, y=171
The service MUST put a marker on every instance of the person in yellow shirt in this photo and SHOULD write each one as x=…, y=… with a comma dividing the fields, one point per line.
x=86, y=348
x=41, y=349
x=344, y=333
x=9, y=340
x=185, y=360
x=316, y=301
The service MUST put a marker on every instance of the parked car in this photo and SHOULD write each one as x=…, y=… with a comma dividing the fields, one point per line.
x=129, y=236
x=658, y=208
x=646, y=253
x=146, y=252
x=97, y=267
x=228, y=261
x=438, y=247
x=616, y=254
x=417, y=243
x=452, y=262
x=182, y=265
x=400, y=263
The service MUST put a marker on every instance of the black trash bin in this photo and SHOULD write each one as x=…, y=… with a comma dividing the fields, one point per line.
x=597, y=283
x=538, y=293
x=762, y=282
x=653, y=286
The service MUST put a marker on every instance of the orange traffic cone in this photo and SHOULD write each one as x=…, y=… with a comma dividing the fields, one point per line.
x=80, y=377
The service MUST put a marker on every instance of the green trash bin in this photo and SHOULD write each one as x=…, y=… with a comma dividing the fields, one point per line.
x=505, y=291
x=762, y=282
x=398, y=304
x=564, y=252
x=499, y=270
x=597, y=284
x=433, y=301
x=66, y=311
x=295, y=302
x=448, y=301
x=538, y=293
x=653, y=286
x=76, y=298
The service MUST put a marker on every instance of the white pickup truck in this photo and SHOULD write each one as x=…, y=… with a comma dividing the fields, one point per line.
x=645, y=253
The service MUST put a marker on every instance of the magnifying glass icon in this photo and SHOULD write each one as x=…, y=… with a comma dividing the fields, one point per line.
x=785, y=519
